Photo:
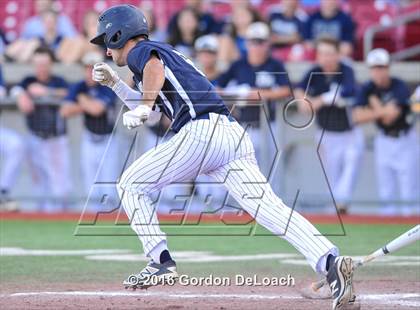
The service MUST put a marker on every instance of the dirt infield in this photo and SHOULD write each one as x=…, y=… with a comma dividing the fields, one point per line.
x=391, y=295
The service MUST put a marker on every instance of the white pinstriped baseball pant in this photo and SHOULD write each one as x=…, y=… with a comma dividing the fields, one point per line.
x=221, y=149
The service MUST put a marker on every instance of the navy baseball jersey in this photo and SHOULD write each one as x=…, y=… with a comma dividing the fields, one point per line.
x=268, y=75
x=331, y=117
x=186, y=93
x=340, y=27
x=45, y=121
x=396, y=92
x=104, y=123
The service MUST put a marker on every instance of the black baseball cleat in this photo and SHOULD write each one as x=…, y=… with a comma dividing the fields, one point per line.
x=340, y=280
x=153, y=274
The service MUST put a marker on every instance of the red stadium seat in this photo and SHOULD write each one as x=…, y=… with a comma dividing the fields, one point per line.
x=13, y=16
x=365, y=14
x=411, y=30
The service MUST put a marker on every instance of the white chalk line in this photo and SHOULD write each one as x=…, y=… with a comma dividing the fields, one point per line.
x=385, y=299
x=192, y=256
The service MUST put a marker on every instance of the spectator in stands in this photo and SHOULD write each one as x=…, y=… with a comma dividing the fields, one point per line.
x=155, y=34
x=46, y=27
x=34, y=27
x=330, y=88
x=331, y=22
x=39, y=98
x=385, y=101
x=256, y=77
x=232, y=41
x=22, y=50
x=206, y=52
x=185, y=32
x=97, y=104
x=206, y=22
x=73, y=49
x=11, y=153
x=287, y=26
x=51, y=38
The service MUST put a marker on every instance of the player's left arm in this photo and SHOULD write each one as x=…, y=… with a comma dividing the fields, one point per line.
x=69, y=109
x=90, y=105
x=153, y=80
x=390, y=111
x=393, y=109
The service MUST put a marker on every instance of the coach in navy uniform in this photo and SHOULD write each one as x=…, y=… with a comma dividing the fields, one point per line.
x=254, y=77
x=97, y=104
x=385, y=100
x=330, y=87
x=39, y=98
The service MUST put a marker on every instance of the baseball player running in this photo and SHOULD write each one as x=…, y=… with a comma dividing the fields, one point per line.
x=207, y=141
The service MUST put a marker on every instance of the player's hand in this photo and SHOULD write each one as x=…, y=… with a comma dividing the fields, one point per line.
x=25, y=103
x=391, y=112
x=104, y=75
x=37, y=90
x=136, y=117
x=328, y=98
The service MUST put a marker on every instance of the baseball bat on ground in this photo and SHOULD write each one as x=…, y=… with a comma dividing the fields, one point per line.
x=403, y=240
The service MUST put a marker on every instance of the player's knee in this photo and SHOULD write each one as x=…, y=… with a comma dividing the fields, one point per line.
x=129, y=183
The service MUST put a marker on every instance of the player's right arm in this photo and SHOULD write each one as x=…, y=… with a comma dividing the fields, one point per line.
x=70, y=107
x=106, y=76
x=24, y=101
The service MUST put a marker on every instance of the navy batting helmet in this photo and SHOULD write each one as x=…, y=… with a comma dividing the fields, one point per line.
x=118, y=24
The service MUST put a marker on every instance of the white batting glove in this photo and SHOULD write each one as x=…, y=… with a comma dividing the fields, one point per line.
x=104, y=75
x=136, y=117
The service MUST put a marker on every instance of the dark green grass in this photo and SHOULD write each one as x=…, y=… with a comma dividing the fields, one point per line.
x=358, y=240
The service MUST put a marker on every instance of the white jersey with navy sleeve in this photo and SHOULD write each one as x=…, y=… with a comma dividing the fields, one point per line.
x=186, y=93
